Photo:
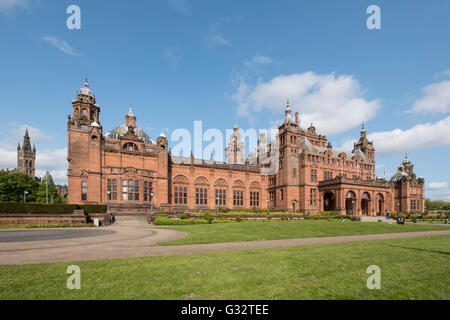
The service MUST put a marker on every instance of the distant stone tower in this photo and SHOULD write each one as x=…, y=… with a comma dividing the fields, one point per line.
x=235, y=151
x=26, y=156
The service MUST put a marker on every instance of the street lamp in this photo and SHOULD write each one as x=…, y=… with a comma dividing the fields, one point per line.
x=151, y=202
x=109, y=196
x=353, y=207
x=217, y=204
x=25, y=196
x=268, y=205
x=46, y=187
x=307, y=202
x=398, y=207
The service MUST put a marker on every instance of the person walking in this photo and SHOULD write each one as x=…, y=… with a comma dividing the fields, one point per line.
x=388, y=217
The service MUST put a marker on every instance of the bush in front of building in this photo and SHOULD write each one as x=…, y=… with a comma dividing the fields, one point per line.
x=36, y=208
x=166, y=221
x=55, y=208
x=93, y=208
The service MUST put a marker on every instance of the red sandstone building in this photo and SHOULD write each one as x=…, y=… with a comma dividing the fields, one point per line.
x=133, y=172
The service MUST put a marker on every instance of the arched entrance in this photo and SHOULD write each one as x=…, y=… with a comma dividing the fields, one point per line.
x=350, y=200
x=380, y=204
x=365, y=199
x=329, y=201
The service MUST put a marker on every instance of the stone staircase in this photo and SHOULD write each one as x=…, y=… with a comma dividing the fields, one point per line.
x=372, y=219
x=131, y=209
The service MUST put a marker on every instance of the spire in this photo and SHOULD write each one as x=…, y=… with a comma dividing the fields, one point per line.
x=288, y=111
x=26, y=141
x=18, y=146
x=363, y=131
x=130, y=112
x=86, y=84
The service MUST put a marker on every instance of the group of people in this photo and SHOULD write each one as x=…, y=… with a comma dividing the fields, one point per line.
x=400, y=220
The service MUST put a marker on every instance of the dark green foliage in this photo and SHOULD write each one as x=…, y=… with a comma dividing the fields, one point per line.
x=432, y=205
x=93, y=208
x=41, y=208
x=208, y=217
x=13, y=186
x=185, y=215
x=41, y=194
x=20, y=207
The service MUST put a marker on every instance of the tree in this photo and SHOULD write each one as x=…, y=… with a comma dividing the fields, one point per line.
x=41, y=195
x=13, y=186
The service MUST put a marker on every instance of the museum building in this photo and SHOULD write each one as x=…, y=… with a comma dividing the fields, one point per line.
x=135, y=173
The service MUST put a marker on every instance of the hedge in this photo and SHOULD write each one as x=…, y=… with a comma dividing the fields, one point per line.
x=55, y=208
x=165, y=221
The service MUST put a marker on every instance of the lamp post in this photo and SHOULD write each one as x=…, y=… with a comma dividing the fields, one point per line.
x=217, y=204
x=353, y=207
x=25, y=196
x=398, y=207
x=109, y=196
x=307, y=202
x=151, y=202
x=268, y=205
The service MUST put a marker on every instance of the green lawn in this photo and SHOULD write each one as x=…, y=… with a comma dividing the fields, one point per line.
x=413, y=268
x=271, y=230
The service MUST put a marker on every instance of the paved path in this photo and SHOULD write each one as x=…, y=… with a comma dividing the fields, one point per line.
x=129, y=240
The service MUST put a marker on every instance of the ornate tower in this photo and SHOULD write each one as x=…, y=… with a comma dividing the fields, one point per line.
x=365, y=145
x=84, y=140
x=235, y=151
x=287, y=195
x=26, y=156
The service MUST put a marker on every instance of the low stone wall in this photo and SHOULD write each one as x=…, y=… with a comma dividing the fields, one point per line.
x=76, y=218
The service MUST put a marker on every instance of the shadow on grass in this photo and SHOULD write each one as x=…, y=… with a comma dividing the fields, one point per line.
x=421, y=249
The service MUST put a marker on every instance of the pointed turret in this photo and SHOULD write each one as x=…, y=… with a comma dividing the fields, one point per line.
x=26, y=141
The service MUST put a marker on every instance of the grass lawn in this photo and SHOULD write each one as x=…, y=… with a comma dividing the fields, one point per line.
x=413, y=268
x=272, y=230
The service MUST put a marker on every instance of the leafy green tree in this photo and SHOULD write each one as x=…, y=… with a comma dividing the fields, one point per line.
x=13, y=186
x=52, y=191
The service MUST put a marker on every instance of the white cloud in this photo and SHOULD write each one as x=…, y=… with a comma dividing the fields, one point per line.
x=332, y=103
x=435, y=99
x=60, y=44
x=438, y=185
x=446, y=72
x=172, y=56
x=7, y=5
x=424, y=135
x=258, y=60
x=16, y=133
x=180, y=6
x=214, y=36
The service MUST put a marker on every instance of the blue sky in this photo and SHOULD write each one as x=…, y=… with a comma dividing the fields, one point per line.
x=226, y=62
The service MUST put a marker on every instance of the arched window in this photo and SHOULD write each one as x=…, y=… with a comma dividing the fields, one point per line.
x=130, y=147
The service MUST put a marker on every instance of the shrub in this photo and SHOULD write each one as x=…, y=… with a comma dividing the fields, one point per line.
x=239, y=219
x=36, y=208
x=166, y=221
x=208, y=218
x=185, y=215
x=94, y=208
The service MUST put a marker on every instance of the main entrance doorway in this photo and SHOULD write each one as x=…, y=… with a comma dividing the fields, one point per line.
x=365, y=200
x=329, y=201
x=350, y=200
